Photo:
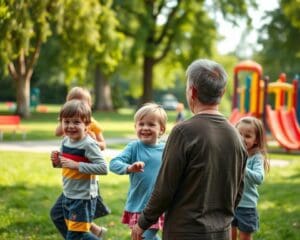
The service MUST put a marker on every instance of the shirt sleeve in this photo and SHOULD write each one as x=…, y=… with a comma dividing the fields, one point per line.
x=97, y=163
x=242, y=181
x=255, y=172
x=242, y=152
x=120, y=163
x=168, y=180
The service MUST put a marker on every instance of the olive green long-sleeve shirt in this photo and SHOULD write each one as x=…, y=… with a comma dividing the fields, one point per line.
x=200, y=181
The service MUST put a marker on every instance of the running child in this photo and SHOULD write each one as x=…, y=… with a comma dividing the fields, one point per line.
x=95, y=131
x=81, y=160
x=141, y=160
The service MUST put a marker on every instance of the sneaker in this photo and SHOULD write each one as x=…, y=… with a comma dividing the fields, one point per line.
x=102, y=233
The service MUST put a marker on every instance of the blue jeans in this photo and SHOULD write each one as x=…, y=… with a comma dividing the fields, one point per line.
x=57, y=216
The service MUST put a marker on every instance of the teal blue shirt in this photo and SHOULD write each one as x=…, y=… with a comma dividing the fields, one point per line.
x=254, y=176
x=141, y=183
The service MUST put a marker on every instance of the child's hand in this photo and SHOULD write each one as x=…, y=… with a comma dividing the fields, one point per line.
x=68, y=163
x=136, y=167
x=55, y=158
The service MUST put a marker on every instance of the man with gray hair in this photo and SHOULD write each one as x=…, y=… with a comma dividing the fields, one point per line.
x=201, y=178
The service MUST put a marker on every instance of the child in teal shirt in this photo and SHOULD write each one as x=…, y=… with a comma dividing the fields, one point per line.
x=246, y=216
x=141, y=160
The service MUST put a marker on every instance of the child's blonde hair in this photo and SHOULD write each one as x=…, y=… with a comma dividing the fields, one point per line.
x=152, y=109
x=76, y=108
x=80, y=94
x=260, y=137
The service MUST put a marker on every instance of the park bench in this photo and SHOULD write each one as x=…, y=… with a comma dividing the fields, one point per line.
x=11, y=123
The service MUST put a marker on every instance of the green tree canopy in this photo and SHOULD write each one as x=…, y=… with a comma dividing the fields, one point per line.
x=64, y=60
x=174, y=31
x=75, y=28
x=24, y=25
x=281, y=49
x=291, y=9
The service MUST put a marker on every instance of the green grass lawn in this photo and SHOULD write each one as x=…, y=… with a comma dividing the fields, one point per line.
x=279, y=203
x=29, y=186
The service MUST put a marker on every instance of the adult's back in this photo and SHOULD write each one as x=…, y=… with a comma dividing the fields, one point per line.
x=201, y=178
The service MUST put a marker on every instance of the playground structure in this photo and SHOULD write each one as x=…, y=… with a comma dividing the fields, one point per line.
x=255, y=96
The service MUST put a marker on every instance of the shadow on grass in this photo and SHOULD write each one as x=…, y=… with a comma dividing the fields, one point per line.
x=25, y=212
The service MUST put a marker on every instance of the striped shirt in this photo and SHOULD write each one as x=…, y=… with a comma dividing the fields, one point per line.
x=81, y=183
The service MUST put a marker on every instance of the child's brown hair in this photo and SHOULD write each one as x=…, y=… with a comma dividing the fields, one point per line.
x=76, y=108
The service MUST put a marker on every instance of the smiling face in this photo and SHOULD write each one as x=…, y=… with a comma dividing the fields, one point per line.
x=248, y=134
x=74, y=128
x=149, y=129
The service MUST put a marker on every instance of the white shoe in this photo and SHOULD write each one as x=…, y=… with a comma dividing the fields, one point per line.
x=102, y=233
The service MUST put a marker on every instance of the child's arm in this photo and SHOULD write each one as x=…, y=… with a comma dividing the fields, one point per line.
x=97, y=164
x=89, y=168
x=55, y=159
x=255, y=173
x=101, y=141
x=123, y=161
x=136, y=167
x=69, y=163
x=96, y=133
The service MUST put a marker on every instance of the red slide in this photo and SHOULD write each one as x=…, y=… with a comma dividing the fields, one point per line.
x=290, y=124
x=282, y=132
x=236, y=116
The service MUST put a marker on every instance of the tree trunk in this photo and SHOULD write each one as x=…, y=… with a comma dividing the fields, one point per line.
x=23, y=96
x=22, y=76
x=148, y=79
x=103, y=99
x=21, y=70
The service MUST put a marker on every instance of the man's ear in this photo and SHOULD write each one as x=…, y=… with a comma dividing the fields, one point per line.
x=194, y=92
x=224, y=90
